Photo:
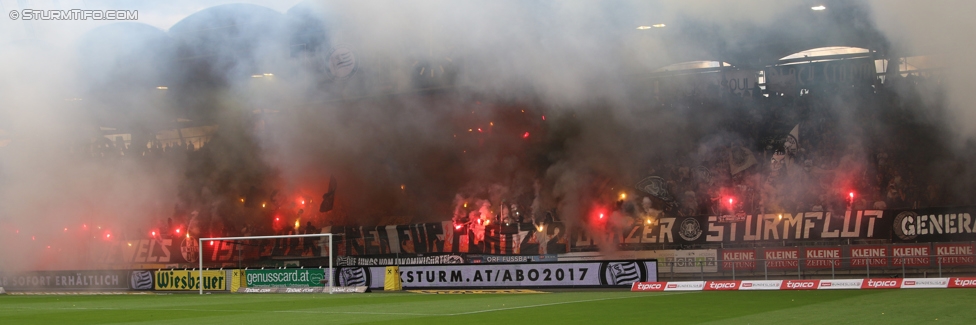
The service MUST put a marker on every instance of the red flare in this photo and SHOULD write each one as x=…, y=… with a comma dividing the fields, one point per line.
x=525, y=135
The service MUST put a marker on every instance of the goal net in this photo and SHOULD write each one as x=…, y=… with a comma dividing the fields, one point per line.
x=325, y=243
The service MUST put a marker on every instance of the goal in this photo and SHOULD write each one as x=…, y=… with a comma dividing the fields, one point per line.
x=329, y=272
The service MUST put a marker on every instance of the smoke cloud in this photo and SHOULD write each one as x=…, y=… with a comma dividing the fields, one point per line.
x=545, y=105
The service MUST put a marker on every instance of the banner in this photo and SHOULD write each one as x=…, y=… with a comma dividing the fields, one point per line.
x=399, y=260
x=955, y=254
x=821, y=257
x=547, y=274
x=427, y=243
x=800, y=285
x=685, y=286
x=722, y=285
x=962, y=282
x=188, y=280
x=790, y=78
x=760, y=284
x=72, y=280
x=864, y=256
x=738, y=259
x=475, y=259
x=922, y=283
x=285, y=278
x=840, y=284
x=781, y=258
x=881, y=284
x=911, y=255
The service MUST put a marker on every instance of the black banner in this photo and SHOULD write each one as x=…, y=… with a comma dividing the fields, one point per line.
x=76, y=280
x=399, y=260
x=507, y=275
x=918, y=225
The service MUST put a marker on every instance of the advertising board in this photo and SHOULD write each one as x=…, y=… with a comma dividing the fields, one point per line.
x=543, y=274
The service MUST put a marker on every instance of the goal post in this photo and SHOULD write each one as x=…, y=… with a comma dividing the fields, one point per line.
x=200, y=242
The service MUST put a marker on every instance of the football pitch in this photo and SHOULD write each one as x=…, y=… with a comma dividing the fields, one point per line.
x=934, y=306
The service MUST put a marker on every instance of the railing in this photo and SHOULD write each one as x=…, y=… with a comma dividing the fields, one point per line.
x=816, y=268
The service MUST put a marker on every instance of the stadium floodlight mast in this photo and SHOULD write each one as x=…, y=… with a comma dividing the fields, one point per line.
x=201, y=240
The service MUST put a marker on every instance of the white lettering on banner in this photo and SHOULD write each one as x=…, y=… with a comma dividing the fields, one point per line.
x=715, y=228
x=872, y=283
x=910, y=251
x=800, y=284
x=593, y=274
x=721, y=285
x=881, y=284
x=770, y=222
x=936, y=224
x=868, y=252
x=781, y=254
x=955, y=250
x=823, y=253
x=962, y=283
x=648, y=286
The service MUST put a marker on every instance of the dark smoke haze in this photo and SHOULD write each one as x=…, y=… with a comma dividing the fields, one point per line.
x=554, y=93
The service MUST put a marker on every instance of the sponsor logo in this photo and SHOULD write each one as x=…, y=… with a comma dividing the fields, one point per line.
x=689, y=229
x=647, y=286
x=622, y=273
x=189, y=249
x=881, y=284
x=800, y=284
x=962, y=283
x=760, y=285
x=141, y=280
x=840, y=284
x=672, y=285
x=353, y=277
x=722, y=285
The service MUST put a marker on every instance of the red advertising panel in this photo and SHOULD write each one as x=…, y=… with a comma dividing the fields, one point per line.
x=862, y=256
x=962, y=282
x=955, y=254
x=911, y=255
x=722, y=285
x=800, y=285
x=881, y=284
x=782, y=258
x=738, y=259
x=821, y=257
x=647, y=286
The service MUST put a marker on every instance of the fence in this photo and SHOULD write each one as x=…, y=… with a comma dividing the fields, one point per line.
x=818, y=268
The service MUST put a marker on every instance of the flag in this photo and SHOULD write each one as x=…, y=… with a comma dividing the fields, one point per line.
x=328, y=199
x=792, y=142
x=741, y=158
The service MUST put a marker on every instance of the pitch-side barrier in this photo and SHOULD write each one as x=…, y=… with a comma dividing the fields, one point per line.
x=832, y=284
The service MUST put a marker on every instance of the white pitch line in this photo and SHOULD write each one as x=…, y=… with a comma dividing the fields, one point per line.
x=347, y=312
x=558, y=303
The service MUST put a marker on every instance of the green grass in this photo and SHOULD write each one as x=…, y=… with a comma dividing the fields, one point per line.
x=915, y=306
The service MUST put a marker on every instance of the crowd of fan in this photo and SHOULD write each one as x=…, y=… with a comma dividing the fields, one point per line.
x=860, y=147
